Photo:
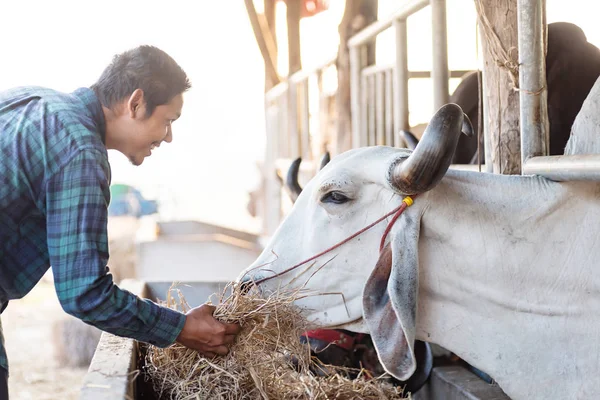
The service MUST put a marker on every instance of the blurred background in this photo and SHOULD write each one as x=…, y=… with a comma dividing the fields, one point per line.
x=210, y=166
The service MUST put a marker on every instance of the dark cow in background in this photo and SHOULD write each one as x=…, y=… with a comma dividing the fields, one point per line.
x=572, y=68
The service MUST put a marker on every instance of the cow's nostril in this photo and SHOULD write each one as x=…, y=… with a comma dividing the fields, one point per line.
x=246, y=285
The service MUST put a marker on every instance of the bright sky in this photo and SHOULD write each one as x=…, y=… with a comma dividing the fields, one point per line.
x=207, y=170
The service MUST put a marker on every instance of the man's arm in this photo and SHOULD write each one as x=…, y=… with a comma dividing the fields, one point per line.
x=76, y=211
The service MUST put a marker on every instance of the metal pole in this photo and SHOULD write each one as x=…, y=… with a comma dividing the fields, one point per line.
x=271, y=209
x=580, y=167
x=355, y=94
x=533, y=92
x=293, y=146
x=389, y=108
x=408, y=8
x=371, y=135
x=323, y=115
x=305, y=150
x=439, y=68
x=401, y=77
x=282, y=149
x=379, y=107
x=487, y=139
x=363, y=135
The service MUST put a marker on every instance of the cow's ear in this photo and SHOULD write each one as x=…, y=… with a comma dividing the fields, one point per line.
x=390, y=302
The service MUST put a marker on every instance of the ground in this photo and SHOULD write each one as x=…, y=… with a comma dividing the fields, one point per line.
x=34, y=373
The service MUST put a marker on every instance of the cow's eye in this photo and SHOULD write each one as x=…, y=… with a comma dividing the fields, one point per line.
x=334, y=197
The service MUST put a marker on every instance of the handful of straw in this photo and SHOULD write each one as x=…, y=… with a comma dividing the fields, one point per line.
x=267, y=361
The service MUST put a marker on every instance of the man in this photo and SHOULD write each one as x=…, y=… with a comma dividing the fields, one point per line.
x=54, y=195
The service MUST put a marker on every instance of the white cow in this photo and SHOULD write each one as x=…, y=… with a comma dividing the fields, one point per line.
x=501, y=270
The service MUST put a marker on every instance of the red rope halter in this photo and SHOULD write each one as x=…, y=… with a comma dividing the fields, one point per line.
x=406, y=202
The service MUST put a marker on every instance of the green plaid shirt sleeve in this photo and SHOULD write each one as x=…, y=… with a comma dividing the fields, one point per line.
x=76, y=202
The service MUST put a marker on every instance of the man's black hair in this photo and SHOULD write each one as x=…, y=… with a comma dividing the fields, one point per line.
x=144, y=67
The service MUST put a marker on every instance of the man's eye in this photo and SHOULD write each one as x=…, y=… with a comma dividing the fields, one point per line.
x=335, y=198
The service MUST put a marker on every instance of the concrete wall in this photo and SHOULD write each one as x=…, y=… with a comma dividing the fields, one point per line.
x=210, y=258
x=195, y=251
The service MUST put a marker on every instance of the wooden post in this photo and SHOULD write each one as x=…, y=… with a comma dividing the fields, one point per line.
x=269, y=7
x=268, y=193
x=265, y=41
x=498, y=30
x=357, y=15
x=294, y=7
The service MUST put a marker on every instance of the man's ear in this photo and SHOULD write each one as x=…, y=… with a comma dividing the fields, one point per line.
x=136, y=106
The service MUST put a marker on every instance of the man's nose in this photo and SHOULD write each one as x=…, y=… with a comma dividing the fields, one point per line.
x=169, y=136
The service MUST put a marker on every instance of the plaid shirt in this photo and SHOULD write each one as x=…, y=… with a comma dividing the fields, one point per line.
x=54, y=195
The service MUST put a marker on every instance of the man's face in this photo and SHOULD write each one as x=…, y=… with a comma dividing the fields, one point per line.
x=147, y=132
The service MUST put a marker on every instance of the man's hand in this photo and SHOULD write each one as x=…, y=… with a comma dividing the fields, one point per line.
x=202, y=332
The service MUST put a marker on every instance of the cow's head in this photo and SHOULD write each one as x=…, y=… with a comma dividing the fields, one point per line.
x=354, y=189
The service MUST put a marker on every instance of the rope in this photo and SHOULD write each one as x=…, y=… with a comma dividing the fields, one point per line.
x=406, y=202
x=504, y=60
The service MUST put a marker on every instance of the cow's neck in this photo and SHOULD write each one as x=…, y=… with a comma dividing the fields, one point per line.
x=509, y=278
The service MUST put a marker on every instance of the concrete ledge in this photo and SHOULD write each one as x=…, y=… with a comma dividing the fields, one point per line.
x=113, y=370
x=197, y=257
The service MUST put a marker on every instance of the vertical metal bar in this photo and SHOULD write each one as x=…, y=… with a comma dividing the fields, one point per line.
x=305, y=150
x=271, y=209
x=292, y=136
x=285, y=133
x=533, y=92
x=282, y=125
x=364, y=116
x=371, y=105
x=401, y=77
x=356, y=94
x=439, y=68
x=323, y=120
x=487, y=139
x=389, y=108
x=379, y=107
x=274, y=125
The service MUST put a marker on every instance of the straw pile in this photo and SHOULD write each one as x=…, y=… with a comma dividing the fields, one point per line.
x=267, y=361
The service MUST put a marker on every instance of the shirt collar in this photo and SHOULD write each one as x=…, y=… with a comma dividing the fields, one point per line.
x=91, y=102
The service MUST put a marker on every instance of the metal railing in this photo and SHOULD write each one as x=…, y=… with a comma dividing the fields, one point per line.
x=380, y=105
x=288, y=123
x=379, y=93
x=288, y=112
x=380, y=123
x=363, y=90
x=533, y=106
x=379, y=99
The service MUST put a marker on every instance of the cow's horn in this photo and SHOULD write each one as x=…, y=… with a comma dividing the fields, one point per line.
x=325, y=160
x=430, y=160
x=291, y=181
x=410, y=139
